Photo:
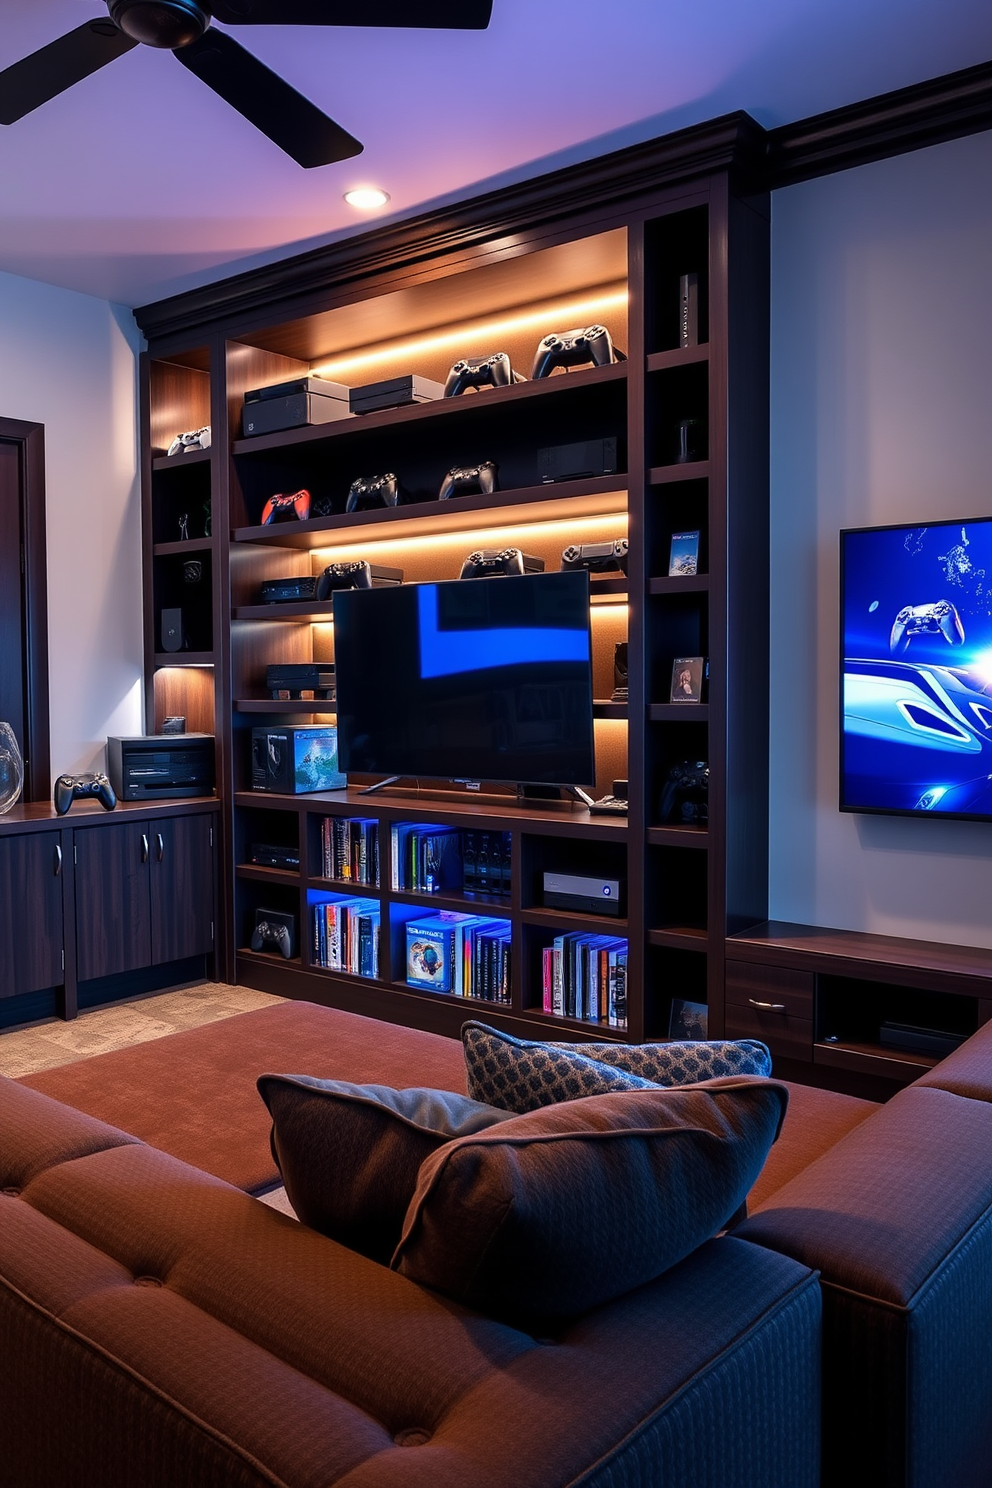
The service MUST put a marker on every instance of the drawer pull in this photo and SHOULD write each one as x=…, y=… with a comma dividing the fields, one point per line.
x=160, y=846
x=58, y=860
x=767, y=1007
x=144, y=848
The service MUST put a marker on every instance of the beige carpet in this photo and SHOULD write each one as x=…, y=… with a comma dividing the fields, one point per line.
x=42, y=1046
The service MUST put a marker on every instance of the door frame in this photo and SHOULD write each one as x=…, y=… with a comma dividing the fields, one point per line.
x=30, y=439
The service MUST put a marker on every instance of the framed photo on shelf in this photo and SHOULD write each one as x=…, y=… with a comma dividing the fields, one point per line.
x=687, y=1020
x=683, y=561
x=688, y=675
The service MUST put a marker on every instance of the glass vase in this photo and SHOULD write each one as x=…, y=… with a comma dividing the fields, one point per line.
x=11, y=768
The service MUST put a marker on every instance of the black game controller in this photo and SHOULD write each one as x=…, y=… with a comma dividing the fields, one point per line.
x=575, y=349
x=370, y=491
x=603, y=557
x=488, y=563
x=685, y=797
x=470, y=480
x=480, y=372
x=69, y=788
x=938, y=618
x=277, y=937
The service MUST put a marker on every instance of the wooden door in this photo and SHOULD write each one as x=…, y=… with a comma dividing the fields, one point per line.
x=30, y=913
x=113, y=901
x=182, y=887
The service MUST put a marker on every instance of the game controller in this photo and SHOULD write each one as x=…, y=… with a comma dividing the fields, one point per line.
x=275, y=936
x=487, y=563
x=575, y=349
x=196, y=439
x=603, y=557
x=296, y=501
x=480, y=372
x=470, y=480
x=940, y=617
x=370, y=491
x=69, y=788
x=685, y=798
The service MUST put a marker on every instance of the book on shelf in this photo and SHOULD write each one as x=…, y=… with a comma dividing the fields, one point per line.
x=346, y=936
x=683, y=561
x=585, y=976
x=350, y=849
x=424, y=858
x=486, y=863
x=460, y=954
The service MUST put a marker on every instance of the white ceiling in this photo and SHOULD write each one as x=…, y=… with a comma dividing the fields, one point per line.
x=140, y=182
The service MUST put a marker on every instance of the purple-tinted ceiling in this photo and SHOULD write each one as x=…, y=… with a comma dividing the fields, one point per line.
x=139, y=182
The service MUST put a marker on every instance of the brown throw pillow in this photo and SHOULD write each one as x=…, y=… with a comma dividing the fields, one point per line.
x=349, y=1154
x=564, y=1208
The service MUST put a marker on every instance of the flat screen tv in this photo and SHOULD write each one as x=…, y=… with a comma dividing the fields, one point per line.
x=916, y=664
x=473, y=679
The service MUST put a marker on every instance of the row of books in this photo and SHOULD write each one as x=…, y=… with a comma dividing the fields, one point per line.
x=585, y=976
x=349, y=847
x=464, y=955
x=425, y=859
x=346, y=936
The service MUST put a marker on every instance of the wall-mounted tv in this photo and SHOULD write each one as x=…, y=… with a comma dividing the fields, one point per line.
x=916, y=665
x=472, y=679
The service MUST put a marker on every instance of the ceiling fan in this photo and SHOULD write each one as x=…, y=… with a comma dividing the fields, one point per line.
x=288, y=119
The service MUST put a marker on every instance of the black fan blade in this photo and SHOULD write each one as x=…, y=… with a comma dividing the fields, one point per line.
x=291, y=121
x=27, y=84
x=453, y=15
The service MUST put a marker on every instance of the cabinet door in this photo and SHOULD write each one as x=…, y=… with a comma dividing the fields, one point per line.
x=113, y=905
x=30, y=913
x=182, y=887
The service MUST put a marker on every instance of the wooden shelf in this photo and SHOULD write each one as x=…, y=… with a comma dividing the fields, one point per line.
x=665, y=475
x=601, y=1032
x=676, y=835
x=183, y=659
x=561, y=921
x=690, y=584
x=678, y=356
x=477, y=812
x=682, y=938
x=873, y=1059
x=177, y=549
x=670, y=712
x=498, y=909
x=609, y=710
x=928, y=965
x=561, y=500
x=290, y=708
x=490, y=401
x=602, y=592
x=257, y=873
x=344, y=886
x=181, y=462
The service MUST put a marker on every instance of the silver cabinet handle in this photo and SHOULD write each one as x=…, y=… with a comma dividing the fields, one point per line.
x=144, y=847
x=58, y=860
x=160, y=846
x=767, y=1007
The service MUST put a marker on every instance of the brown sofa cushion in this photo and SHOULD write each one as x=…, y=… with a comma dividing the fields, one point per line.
x=349, y=1154
x=559, y=1210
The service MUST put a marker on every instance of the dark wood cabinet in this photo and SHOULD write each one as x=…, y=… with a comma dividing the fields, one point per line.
x=181, y=888
x=30, y=913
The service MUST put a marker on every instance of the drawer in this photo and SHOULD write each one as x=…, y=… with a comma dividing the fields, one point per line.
x=787, y=1036
x=770, y=988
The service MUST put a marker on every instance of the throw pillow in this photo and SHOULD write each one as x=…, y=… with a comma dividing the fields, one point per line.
x=523, y=1074
x=349, y=1154
x=554, y=1212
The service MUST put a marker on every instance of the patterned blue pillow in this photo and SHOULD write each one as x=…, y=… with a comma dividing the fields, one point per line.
x=522, y=1074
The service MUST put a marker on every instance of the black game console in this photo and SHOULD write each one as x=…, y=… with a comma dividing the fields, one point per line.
x=293, y=405
x=356, y=573
x=274, y=855
x=157, y=767
x=288, y=591
x=581, y=892
x=296, y=678
x=601, y=557
x=394, y=392
x=580, y=461
x=488, y=563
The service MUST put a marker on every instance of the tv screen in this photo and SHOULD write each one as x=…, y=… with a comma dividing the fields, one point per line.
x=917, y=669
x=474, y=679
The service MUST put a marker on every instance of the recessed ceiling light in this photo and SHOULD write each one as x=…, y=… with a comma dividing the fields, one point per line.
x=366, y=198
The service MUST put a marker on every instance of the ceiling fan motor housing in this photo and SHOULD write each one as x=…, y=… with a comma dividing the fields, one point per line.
x=160, y=23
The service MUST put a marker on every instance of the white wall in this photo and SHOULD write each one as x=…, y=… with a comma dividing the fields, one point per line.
x=69, y=361
x=881, y=412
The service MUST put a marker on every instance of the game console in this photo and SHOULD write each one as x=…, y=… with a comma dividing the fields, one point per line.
x=491, y=371
x=69, y=788
x=488, y=563
x=581, y=461
x=274, y=855
x=394, y=392
x=293, y=760
x=161, y=767
x=577, y=348
x=470, y=480
x=289, y=503
x=187, y=444
x=586, y=894
x=370, y=491
x=601, y=557
x=296, y=678
x=171, y=626
x=356, y=573
x=288, y=591
x=293, y=405
x=274, y=931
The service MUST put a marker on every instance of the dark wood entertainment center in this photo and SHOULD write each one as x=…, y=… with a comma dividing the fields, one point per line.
x=604, y=241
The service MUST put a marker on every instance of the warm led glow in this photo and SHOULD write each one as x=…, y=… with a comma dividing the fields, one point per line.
x=567, y=313
x=527, y=537
x=366, y=198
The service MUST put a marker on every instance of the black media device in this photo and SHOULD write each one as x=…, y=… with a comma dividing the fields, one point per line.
x=288, y=591
x=584, y=893
x=577, y=461
x=161, y=766
x=292, y=405
x=394, y=392
x=274, y=855
x=481, y=681
x=174, y=724
x=296, y=678
x=173, y=635
x=688, y=309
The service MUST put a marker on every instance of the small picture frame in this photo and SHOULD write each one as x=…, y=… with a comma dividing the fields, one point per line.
x=687, y=1020
x=688, y=675
x=683, y=560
